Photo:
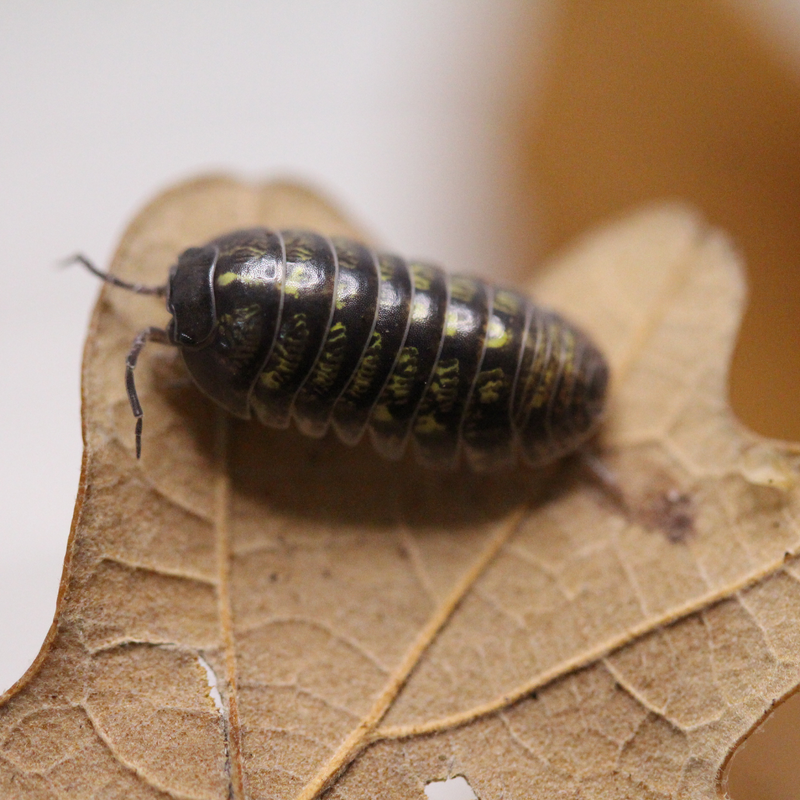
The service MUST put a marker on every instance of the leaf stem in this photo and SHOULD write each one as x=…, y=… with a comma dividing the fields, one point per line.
x=364, y=734
x=222, y=527
x=585, y=659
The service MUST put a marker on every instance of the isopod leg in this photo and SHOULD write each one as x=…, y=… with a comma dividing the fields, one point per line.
x=605, y=478
x=147, y=335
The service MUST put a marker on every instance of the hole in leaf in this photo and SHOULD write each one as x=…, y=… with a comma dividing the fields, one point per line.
x=451, y=789
x=213, y=684
x=765, y=766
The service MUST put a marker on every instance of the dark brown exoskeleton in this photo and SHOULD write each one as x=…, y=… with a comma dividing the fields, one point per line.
x=293, y=324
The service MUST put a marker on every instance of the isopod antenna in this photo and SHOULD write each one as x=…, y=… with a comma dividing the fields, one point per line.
x=147, y=335
x=139, y=288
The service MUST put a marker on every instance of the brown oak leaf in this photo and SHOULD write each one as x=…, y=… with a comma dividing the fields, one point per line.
x=248, y=613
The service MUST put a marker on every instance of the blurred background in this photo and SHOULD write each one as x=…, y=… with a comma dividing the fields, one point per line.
x=483, y=134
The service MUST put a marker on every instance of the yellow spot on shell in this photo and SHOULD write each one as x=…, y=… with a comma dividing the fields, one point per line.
x=422, y=277
x=506, y=302
x=422, y=307
x=462, y=289
x=270, y=380
x=301, y=278
x=427, y=424
x=381, y=413
x=226, y=278
x=490, y=392
x=496, y=333
x=458, y=320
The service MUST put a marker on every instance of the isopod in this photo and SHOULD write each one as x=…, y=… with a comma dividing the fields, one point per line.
x=327, y=331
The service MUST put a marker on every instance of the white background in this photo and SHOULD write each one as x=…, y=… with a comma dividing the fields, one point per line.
x=391, y=107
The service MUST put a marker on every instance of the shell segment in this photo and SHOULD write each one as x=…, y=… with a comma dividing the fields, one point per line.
x=393, y=414
x=354, y=316
x=309, y=291
x=352, y=412
x=489, y=440
x=438, y=424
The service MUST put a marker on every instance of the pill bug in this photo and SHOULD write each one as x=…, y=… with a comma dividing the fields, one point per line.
x=325, y=330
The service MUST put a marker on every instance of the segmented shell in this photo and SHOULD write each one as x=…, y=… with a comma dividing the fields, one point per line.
x=333, y=334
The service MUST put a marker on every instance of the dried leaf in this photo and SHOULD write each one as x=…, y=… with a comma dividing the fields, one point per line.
x=249, y=613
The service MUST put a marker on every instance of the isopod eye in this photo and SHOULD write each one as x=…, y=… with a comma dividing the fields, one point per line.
x=191, y=296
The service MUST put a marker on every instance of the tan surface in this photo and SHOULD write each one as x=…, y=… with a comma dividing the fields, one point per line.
x=682, y=99
x=391, y=626
x=685, y=99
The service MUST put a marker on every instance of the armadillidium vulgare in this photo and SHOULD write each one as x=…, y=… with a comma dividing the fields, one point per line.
x=293, y=324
